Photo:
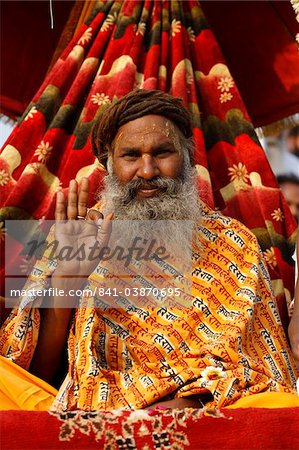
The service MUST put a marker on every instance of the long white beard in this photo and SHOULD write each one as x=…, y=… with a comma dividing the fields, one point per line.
x=179, y=199
x=178, y=206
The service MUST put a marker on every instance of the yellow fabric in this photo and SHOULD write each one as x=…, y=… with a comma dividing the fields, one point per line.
x=267, y=400
x=130, y=357
x=20, y=390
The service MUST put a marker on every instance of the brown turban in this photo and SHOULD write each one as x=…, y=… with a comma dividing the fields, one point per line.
x=132, y=106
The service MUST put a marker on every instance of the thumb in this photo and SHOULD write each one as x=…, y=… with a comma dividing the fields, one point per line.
x=94, y=215
x=105, y=228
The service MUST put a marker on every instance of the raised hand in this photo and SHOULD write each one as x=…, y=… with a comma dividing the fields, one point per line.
x=79, y=233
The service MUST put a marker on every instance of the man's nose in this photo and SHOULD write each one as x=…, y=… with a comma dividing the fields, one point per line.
x=148, y=168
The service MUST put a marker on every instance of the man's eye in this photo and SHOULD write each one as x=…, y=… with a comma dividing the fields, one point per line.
x=163, y=151
x=130, y=154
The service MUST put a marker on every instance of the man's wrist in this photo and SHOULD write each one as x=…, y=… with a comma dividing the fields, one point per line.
x=65, y=280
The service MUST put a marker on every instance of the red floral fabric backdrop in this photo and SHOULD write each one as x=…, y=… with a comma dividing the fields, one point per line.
x=150, y=44
x=258, y=40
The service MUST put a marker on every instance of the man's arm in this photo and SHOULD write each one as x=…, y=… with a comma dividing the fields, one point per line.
x=53, y=334
x=55, y=319
x=69, y=275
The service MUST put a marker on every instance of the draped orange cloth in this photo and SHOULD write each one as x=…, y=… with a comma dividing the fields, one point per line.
x=130, y=356
x=20, y=390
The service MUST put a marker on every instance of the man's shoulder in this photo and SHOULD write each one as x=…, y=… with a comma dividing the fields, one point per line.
x=217, y=224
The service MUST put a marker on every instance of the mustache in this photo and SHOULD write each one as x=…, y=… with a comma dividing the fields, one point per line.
x=169, y=186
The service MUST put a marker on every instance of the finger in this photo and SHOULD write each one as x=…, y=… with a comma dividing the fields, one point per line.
x=72, y=200
x=60, y=207
x=94, y=215
x=107, y=222
x=105, y=229
x=83, y=197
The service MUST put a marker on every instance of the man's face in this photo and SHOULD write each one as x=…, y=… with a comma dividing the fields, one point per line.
x=144, y=149
x=150, y=174
x=291, y=194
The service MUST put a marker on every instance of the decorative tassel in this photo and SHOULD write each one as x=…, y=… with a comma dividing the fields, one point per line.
x=280, y=125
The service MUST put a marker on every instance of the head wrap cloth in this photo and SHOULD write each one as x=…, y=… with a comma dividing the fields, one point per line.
x=132, y=106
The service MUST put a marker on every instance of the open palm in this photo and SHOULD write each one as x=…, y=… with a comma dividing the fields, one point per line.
x=79, y=241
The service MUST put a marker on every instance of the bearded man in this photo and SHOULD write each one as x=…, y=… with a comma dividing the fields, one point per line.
x=225, y=347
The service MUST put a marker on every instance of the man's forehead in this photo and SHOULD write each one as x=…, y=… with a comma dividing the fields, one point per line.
x=152, y=127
